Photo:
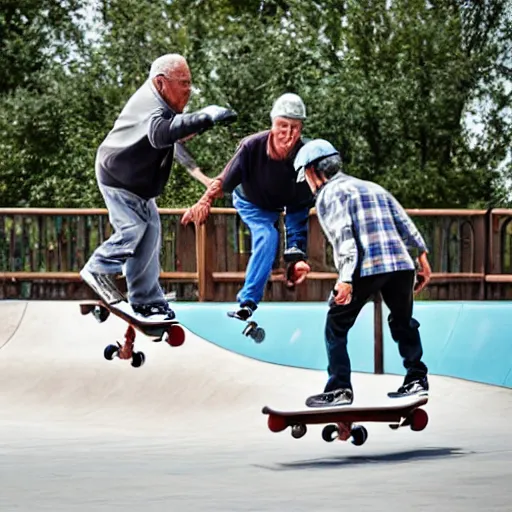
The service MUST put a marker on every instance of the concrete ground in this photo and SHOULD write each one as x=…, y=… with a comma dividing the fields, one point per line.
x=185, y=431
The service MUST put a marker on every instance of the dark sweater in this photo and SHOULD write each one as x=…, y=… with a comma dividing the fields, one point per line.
x=268, y=184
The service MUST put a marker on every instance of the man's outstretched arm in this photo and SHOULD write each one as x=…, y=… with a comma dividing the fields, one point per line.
x=226, y=181
x=185, y=158
x=165, y=129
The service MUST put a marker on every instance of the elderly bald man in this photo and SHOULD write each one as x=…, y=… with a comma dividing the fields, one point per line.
x=133, y=165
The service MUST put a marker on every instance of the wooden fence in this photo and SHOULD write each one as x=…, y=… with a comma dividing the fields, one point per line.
x=43, y=250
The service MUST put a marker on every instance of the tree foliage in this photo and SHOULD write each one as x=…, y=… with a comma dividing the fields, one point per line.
x=392, y=84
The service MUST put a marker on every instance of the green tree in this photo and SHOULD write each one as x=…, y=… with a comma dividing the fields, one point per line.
x=389, y=83
x=37, y=40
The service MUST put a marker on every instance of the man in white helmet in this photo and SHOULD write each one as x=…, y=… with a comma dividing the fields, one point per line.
x=372, y=238
x=262, y=180
x=133, y=165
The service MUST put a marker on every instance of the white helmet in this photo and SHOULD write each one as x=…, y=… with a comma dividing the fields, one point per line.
x=289, y=105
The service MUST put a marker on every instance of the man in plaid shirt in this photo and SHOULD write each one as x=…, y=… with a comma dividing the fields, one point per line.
x=372, y=237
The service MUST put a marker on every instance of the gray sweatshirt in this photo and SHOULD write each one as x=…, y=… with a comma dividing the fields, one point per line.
x=137, y=154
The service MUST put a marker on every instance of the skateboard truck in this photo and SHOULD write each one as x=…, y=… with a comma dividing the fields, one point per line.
x=345, y=431
x=255, y=332
x=125, y=351
x=340, y=431
x=251, y=329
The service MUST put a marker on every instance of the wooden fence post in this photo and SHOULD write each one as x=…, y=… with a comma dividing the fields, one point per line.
x=201, y=261
x=378, y=349
x=206, y=261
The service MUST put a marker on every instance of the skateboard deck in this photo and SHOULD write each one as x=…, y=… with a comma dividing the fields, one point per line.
x=169, y=331
x=341, y=420
x=152, y=328
x=251, y=329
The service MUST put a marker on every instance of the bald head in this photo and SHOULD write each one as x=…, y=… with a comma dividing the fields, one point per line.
x=171, y=76
x=167, y=64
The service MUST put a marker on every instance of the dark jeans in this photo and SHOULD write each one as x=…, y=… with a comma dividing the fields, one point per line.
x=397, y=293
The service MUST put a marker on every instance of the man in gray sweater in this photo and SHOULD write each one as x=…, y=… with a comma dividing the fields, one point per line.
x=133, y=165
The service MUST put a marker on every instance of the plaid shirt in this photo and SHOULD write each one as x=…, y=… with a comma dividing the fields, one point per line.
x=367, y=227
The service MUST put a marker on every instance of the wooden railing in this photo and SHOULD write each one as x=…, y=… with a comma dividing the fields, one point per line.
x=43, y=250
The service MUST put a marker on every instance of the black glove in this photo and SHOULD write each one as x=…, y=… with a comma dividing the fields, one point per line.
x=219, y=115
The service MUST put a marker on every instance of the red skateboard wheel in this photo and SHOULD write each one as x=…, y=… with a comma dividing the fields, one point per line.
x=276, y=423
x=176, y=336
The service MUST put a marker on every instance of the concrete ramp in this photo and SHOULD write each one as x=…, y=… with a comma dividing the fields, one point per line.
x=12, y=315
x=52, y=368
x=185, y=431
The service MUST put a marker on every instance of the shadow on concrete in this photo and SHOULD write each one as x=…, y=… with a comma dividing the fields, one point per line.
x=385, y=458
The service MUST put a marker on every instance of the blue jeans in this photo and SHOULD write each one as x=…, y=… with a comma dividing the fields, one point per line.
x=264, y=242
x=135, y=244
x=296, y=228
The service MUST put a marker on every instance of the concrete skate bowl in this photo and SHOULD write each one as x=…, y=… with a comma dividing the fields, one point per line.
x=185, y=431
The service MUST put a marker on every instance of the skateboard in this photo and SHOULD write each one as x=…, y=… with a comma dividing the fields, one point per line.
x=341, y=420
x=251, y=329
x=169, y=331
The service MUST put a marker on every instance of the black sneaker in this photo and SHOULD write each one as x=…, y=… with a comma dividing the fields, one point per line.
x=414, y=387
x=244, y=313
x=149, y=310
x=293, y=254
x=331, y=398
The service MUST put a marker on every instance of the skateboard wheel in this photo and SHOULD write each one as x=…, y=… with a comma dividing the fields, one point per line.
x=101, y=314
x=276, y=423
x=110, y=352
x=330, y=433
x=359, y=435
x=258, y=335
x=299, y=430
x=138, y=359
x=175, y=336
x=418, y=419
x=85, y=309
